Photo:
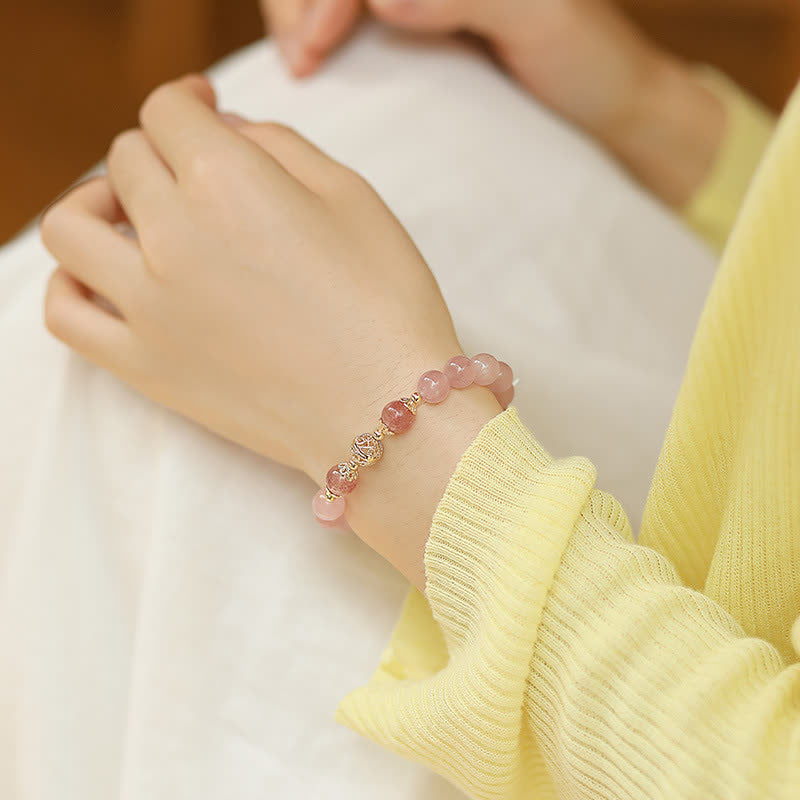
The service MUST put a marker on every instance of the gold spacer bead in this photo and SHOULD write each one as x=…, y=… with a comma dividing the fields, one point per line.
x=410, y=403
x=384, y=431
x=330, y=496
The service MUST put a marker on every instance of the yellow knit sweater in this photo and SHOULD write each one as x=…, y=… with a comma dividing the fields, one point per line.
x=553, y=656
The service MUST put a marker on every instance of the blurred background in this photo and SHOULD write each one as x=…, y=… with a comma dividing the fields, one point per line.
x=75, y=71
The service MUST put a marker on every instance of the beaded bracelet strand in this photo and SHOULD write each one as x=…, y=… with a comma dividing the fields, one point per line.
x=329, y=504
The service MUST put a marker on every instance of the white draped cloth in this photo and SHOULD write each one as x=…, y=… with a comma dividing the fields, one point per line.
x=173, y=623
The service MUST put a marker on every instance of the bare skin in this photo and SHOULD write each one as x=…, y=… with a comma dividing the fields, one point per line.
x=248, y=236
x=583, y=58
x=250, y=288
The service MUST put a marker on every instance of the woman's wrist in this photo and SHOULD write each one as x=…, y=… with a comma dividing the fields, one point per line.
x=395, y=501
x=671, y=132
x=393, y=510
x=594, y=67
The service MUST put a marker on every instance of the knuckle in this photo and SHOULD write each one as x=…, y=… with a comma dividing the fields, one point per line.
x=205, y=168
x=344, y=181
x=212, y=169
x=122, y=142
x=53, y=224
x=154, y=100
x=281, y=129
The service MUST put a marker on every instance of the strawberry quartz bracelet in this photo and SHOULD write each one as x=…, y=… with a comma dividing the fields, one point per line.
x=330, y=503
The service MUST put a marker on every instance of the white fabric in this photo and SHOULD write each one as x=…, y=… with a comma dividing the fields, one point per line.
x=172, y=622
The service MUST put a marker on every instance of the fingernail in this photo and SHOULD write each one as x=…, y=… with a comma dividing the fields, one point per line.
x=234, y=120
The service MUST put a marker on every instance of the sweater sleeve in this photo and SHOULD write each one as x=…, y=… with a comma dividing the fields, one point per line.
x=555, y=657
x=713, y=209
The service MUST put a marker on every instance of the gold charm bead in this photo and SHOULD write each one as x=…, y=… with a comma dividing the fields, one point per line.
x=398, y=417
x=367, y=449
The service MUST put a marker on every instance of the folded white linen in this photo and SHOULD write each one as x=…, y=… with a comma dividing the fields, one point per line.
x=172, y=621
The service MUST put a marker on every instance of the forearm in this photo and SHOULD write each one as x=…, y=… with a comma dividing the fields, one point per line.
x=672, y=133
x=594, y=67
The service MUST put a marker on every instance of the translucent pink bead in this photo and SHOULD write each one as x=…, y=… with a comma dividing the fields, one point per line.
x=505, y=398
x=339, y=524
x=460, y=371
x=328, y=510
x=433, y=386
x=397, y=417
x=504, y=380
x=487, y=368
x=340, y=479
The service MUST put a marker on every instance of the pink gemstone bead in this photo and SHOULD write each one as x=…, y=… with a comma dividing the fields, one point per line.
x=339, y=480
x=433, y=386
x=487, y=368
x=327, y=510
x=505, y=398
x=397, y=417
x=339, y=524
x=460, y=371
x=504, y=380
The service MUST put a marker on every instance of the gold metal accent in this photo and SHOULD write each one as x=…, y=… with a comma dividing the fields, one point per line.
x=330, y=496
x=367, y=449
x=383, y=430
x=410, y=403
x=348, y=470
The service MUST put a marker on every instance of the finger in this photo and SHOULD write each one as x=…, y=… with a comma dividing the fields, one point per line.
x=181, y=123
x=140, y=179
x=283, y=17
x=428, y=15
x=79, y=231
x=326, y=24
x=300, y=158
x=71, y=316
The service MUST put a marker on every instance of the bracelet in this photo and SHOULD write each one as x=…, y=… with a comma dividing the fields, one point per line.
x=329, y=504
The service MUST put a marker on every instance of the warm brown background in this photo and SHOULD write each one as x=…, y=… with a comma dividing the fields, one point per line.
x=74, y=71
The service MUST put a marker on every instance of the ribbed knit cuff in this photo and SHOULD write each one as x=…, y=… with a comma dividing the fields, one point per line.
x=450, y=689
x=499, y=532
x=713, y=210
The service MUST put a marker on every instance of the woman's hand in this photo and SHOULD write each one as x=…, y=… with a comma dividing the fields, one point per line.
x=271, y=296
x=582, y=58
